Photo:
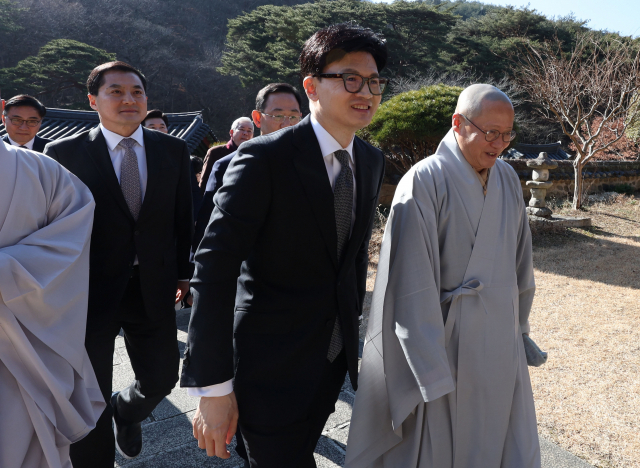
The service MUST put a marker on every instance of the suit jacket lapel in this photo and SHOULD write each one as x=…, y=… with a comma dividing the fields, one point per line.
x=154, y=154
x=310, y=167
x=96, y=146
x=364, y=194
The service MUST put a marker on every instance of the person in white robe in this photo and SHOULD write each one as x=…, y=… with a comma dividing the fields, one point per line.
x=49, y=396
x=444, y=381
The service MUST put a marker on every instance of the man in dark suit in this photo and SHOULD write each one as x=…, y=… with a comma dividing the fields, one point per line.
x=142, y=229
x=277, y=106
x=294, y=216
x=157, y=120
x=22, y=117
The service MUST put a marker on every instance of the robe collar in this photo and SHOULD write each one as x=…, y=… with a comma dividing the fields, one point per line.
x=449, y=147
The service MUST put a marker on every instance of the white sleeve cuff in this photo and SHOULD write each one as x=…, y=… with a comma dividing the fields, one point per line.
x=217, y=390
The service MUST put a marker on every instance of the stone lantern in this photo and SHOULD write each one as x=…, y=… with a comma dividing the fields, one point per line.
x=539, y=185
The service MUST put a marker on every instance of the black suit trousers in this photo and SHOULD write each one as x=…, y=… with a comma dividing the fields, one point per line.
x=153, y=350
x=292, y=446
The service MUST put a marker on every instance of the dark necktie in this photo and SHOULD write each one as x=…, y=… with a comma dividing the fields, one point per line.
x=130, y=177
x=343, y=206
x=22, y=146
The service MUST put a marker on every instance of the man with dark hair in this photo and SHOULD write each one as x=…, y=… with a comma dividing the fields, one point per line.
x=277, y=106
x=156, y=120
x=241, y=131
x=22, y=117
x=294, y=217
x=139, y=254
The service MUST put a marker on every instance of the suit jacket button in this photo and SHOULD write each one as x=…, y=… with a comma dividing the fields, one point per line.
x=137, y=233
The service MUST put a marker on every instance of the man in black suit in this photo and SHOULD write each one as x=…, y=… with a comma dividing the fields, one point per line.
x=142, y=230
x=22, y=117
x=294, y=216
x=277, y=106
x=157, y=120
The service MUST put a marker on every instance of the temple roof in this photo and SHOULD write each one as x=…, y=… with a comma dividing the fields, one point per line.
x=527, y=151
x=61, y=123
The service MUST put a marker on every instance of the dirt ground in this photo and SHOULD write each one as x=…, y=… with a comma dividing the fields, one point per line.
x=586, y=314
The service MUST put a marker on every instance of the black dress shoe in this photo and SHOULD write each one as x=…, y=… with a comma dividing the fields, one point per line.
x=128, y=435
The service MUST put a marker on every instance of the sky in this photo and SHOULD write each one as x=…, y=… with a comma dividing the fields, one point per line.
x=622, y=16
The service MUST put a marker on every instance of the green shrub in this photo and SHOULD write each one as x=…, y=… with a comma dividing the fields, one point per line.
x=408, y=127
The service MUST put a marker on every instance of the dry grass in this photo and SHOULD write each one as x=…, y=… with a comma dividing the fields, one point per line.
x=586, y=314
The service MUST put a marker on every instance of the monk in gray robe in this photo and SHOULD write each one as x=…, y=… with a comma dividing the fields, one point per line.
x=49, y=396
x=444, y=381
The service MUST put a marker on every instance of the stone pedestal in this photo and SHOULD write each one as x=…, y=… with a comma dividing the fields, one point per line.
x=539, y=185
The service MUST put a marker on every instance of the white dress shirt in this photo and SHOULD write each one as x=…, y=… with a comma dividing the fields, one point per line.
x=28, y=144
x=117, y=154
x=328, y=146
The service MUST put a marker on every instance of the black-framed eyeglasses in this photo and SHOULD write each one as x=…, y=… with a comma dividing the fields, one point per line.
x=353, y=82
x=493, y=135
x=18, y=122
x=293, y=119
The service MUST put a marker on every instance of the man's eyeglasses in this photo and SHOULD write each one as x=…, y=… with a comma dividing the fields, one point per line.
x=18, y=122
x=493, y=135
x=293, y=119
x=353, y=82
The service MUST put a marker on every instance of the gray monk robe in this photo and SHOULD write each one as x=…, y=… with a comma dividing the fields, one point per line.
x=49, y=396
x=444, y=380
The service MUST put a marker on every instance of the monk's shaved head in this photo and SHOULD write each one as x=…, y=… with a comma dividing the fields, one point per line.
x=472, y=98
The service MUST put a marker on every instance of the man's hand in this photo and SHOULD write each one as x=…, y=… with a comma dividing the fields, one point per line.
x=183, y=289
x=215, y=423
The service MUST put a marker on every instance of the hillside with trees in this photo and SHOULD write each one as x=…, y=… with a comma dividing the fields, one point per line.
x=212, y=55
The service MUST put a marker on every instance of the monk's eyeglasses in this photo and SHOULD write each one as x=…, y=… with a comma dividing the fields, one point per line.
x=493, y=135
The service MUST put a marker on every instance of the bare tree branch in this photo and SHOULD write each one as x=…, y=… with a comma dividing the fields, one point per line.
x=589, y=91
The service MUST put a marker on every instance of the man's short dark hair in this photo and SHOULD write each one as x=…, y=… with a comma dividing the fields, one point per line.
x=346, y=37
x=96, y=77
x=24, y=100
x=272, y=88
x=156, y=114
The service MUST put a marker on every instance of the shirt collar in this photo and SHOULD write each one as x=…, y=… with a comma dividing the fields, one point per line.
x=232, y=145
x=328, y=144
x=113, y=139
x=28, y=144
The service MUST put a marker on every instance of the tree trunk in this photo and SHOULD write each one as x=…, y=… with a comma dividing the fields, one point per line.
x=577, y=189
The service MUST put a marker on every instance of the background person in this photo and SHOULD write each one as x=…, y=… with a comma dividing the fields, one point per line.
x=22, y=117
x=277, y=106
x=139, y=254
x=241, y=131
x=294, y=217
x=156, y=120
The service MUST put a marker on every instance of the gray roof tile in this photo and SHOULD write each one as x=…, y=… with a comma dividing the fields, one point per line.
x=61, y=123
